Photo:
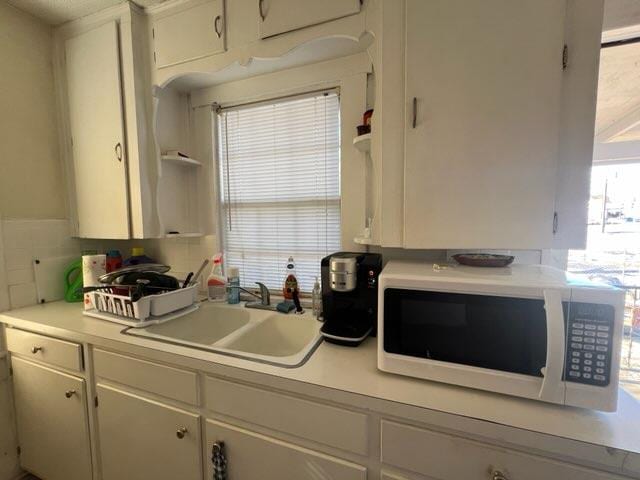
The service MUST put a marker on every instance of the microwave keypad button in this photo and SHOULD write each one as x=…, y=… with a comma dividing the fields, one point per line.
x=577, y=346
x=599, y=364
x=600, y=370
x=586, y=375
x=575, y=354
x=589, y=340
x=576, y=339
x=588, y=362
x=574, y=374
x=575, y=360
x=601, y=356
x=602, y=341
x=588, y=355
x=603, y=335
x=586, y=369
x=590, y=326
x=578, y=325
x=577, y=332
x=603, y=328
x=590, y=333
x=589, y=347
x=600, y=348
x=600, y=378
x=575, y=367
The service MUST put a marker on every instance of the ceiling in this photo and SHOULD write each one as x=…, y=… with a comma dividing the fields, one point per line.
x=56, y=12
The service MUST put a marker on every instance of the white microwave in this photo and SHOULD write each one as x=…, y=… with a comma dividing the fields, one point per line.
x=530, y=331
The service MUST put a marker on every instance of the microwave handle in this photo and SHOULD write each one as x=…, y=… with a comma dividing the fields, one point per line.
x=552, y=388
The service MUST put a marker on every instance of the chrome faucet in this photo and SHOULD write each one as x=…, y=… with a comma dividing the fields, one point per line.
x=265, y=297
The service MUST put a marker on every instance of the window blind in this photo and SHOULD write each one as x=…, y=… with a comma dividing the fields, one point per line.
x=280, y=187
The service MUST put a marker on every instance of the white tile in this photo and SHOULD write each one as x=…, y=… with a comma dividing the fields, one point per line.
x=17, y=234
x=22, y=295
x=17, y=277
x=17, y=258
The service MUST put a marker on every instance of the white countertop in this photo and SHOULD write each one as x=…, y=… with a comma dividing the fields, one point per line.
x=354, y=370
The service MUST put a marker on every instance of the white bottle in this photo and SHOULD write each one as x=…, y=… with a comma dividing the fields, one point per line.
x=316, y=299
x=217, y=283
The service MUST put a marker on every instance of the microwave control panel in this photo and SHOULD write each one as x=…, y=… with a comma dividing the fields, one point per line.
x=589, y=343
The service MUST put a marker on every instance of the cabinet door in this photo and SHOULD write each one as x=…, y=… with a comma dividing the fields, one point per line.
x=251, y=456
x=52, y=422
x=190, y=34
x=141, y=439
x=280, y=16
x=483, y=87
x=96, y=122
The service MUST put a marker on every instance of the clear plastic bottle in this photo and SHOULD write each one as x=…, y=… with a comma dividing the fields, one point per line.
x=316, y=300
x=233, y=281
x=290, y=281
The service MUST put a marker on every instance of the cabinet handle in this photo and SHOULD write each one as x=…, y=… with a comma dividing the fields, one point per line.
x=216, y=26
x=262, y=15
x=498, y=475
x=414, y=121
x=219, y=460
x=35, y=350
x=118, y=150
x=181, y=432
x=70, y=393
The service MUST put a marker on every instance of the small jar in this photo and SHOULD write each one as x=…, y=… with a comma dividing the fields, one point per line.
x=233, y=284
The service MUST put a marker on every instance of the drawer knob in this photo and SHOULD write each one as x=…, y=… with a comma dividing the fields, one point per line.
x=70, y=393
x=498, y=475
x=181, y=432
x=35, y=350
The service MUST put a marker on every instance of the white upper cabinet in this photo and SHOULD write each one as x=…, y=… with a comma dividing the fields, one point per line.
x=102, y=74
x=97, y=133
x=496, y=124
x=195, y=32
x=280, y=16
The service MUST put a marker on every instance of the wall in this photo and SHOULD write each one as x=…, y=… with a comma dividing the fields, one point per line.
x=31, y=179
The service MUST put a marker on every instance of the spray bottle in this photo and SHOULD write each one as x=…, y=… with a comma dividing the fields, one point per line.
x=217, y=283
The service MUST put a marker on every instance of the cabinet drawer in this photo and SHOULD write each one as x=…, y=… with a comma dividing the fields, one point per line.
x=447, y=457
x=166, y=381
x=45, y=349
x=251, y=456
x=324, y=424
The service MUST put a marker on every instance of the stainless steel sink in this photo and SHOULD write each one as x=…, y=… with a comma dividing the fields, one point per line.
x=258, y=335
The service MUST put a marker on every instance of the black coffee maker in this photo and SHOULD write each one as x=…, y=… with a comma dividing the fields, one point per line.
x=350, y=296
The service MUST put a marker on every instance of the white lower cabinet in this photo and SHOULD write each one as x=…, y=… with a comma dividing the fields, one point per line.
x=447, y=457
x=252, y=456
x=141, y=439
x=52, y=422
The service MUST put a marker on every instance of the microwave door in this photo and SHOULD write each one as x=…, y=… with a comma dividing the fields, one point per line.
x=552, y=388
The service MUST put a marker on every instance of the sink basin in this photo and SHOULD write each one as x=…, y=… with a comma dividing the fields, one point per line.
x=205, y=326
x=286, y=340
x=277, y=336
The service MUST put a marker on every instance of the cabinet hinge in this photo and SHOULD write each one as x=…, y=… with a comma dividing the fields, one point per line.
x=153, y=33
x=72, y=141
x=95, y=402
x=18, y=450
x=555, y=222
x=565, y=57
x=154, y=57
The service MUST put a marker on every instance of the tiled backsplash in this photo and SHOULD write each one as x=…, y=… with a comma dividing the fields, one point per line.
x=22, y=241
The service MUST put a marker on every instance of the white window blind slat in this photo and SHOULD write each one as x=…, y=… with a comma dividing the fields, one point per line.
x=280, y=187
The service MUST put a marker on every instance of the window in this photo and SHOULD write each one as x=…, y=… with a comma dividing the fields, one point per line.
x=280, y=186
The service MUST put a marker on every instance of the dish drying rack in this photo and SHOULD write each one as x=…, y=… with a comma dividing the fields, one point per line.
x=134, y=310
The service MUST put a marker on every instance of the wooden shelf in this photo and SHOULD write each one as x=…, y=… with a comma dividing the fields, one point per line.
x=363, y=142
x=187, y=162
x=364, y=241
x=183, y=235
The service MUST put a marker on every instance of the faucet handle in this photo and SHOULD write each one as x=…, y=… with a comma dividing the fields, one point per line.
x=265, y=296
